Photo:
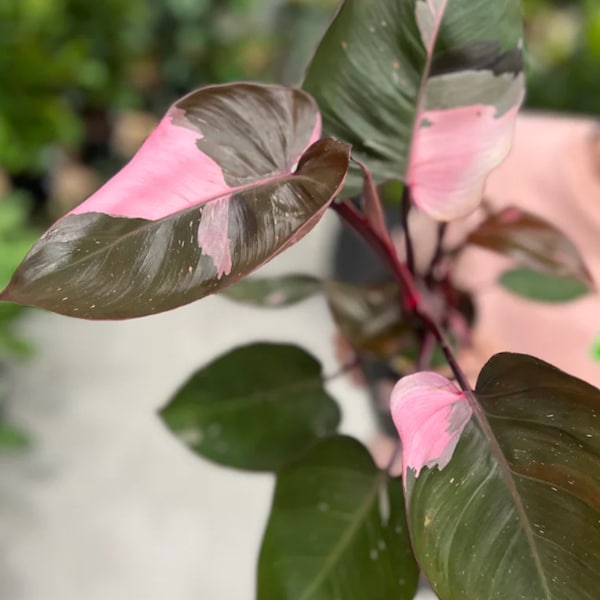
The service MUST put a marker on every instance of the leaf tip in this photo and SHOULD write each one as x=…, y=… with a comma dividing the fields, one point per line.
x=430, y=413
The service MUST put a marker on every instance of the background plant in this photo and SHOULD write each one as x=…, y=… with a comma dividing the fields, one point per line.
x=16, y=237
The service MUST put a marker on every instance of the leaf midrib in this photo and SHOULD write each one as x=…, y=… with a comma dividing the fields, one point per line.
x=260, y=396
x=423, y=82
x=508, y=478
x=343, y=542
x=148, y=223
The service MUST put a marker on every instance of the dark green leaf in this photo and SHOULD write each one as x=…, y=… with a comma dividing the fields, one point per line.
x=273, y=292
x=337, y=530
x=516, y=511
x=254, y=408
x=543, y=287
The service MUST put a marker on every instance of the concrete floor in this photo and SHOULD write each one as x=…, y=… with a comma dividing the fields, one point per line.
x=108, y=505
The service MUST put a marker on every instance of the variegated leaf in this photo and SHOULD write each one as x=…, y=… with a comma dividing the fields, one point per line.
x=425, y=90
x=231, y=176
x=503, y=484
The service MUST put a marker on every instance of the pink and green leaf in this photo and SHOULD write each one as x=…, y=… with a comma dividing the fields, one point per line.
x=231, y=176
x=512, y=509
x=426, y=91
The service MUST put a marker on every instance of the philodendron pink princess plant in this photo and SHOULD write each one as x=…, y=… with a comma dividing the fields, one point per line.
x=500, y=482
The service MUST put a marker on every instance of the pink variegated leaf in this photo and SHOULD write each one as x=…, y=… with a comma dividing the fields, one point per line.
x=426, y=91
x=231, y=176
x=429, y=412
x=503, y=482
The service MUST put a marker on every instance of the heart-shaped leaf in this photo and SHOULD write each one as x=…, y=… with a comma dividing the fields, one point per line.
x=425, y=90
x=337, y=530
x=274, y=292
x=506, y=503
x=543, y=287
x=224, y=183
x=532, y=242
x=254, y=408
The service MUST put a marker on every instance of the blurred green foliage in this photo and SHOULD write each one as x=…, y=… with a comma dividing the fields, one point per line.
x=55, y=54
x=563, y=41
x=62, y=58
x=16, y=237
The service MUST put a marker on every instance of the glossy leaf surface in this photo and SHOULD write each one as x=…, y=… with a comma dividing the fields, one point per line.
x=337, y=529
x=515, y=512
x=543, y=287
x=224, y=183
x=425, y=90
x=254, y=408
x=532, y=242
x=274, y=292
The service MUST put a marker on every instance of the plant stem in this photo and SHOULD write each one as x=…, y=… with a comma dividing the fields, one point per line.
x=438, y=252
x=404, y=211
x=383, y=248
x=407, y=283
x=395, y=455
x=345, y=368
x=442, y=340
x=411, y=297
x=412, y=300
x=425, y=355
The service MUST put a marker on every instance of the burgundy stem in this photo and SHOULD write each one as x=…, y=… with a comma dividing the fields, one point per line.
x=411, y=297
x=405, y=210
x=383, y=248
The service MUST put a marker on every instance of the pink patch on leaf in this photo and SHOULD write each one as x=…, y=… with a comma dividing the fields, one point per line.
x=452, y=154
x=315, y=135
x=430, y=413
x=168, y=174
x=213, y=235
